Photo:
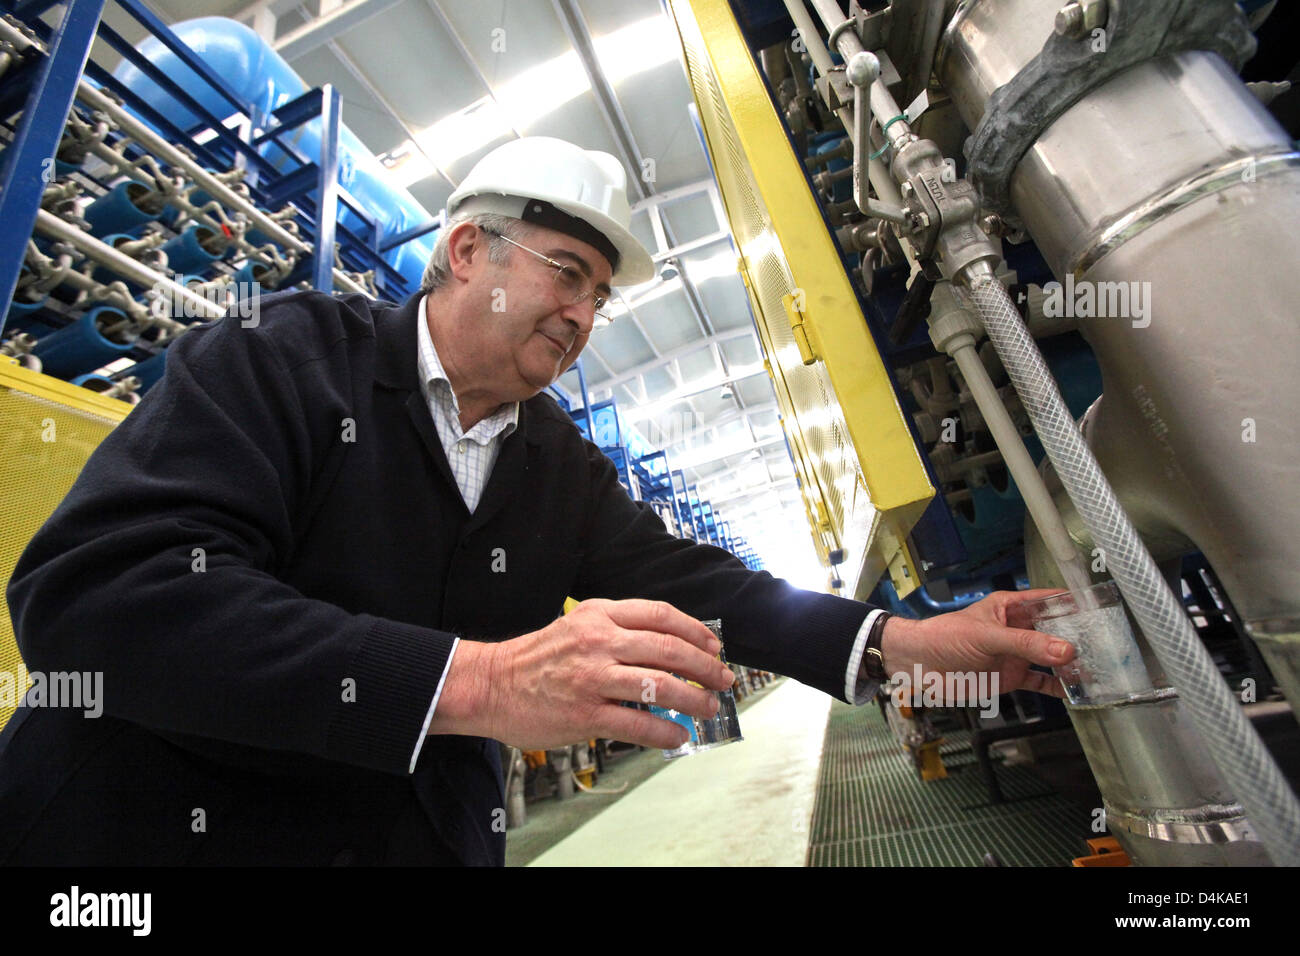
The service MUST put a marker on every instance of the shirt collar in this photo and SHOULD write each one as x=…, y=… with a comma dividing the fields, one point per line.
x=503, y=421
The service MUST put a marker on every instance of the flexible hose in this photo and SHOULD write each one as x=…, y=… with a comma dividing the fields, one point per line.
x=1232, y=741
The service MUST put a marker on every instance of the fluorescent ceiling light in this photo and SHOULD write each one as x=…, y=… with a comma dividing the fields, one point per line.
x=528, y=96
x=516, y=105
x=712, y=267
x=463, y=132
x=637, y=47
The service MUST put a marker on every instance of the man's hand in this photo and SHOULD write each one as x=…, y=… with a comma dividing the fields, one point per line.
x=563, y=683
x=993, y=635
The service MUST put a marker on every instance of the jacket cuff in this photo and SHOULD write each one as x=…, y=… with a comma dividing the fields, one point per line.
x=384, y=697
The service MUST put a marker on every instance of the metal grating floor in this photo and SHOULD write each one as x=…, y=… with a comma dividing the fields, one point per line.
x=873, y=809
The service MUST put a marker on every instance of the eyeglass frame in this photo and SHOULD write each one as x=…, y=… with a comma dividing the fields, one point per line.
x=599, y=319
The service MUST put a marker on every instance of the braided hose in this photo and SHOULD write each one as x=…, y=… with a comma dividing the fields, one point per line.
x=1233, y=743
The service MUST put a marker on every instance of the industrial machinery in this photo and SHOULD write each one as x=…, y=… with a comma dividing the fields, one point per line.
x=1023, y=274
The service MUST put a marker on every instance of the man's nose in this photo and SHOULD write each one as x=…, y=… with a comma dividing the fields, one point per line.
x=580, y=315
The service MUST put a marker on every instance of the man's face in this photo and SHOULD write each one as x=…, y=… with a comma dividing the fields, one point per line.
x=532, y=330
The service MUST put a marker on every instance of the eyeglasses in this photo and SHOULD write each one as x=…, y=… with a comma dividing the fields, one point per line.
x=570, y=284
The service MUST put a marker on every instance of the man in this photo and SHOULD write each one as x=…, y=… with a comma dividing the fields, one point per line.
x=320, y=566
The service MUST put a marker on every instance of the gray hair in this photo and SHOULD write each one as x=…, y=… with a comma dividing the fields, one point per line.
x=439, y=267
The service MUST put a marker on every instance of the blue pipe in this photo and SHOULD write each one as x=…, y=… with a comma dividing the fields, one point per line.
x=118, y=211
x=79, y=347
x=149, y=371
x=191, y=251
x=257, y=74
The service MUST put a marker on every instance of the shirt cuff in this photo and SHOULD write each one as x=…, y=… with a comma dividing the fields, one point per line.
x=428, y=718
x=858, y=688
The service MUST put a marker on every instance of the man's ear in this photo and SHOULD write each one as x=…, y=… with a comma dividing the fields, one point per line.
x=466, y=249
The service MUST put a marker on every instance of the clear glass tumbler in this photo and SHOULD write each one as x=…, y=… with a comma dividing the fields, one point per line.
x=722, y=728
x=1108, y=665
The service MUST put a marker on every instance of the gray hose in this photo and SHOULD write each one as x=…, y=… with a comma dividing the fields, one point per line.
x=1232, y=741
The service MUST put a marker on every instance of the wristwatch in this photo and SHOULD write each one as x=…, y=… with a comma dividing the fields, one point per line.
x=872, y=658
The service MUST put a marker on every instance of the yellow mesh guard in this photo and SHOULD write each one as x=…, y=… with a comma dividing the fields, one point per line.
x=48, y=429
x=863, y=481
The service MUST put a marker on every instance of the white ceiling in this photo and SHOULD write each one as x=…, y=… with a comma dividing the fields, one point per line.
x=605, y=74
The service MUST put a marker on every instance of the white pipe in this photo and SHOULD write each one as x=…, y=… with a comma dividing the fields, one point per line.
x=1038, y=500
x=881, y=181
x=137, y=272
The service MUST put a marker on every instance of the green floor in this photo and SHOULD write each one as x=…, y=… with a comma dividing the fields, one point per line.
x=870, y=808
x=551, y=820
x=873, y=809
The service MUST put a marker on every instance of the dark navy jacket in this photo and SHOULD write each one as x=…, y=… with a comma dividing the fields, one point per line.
x=268, y=560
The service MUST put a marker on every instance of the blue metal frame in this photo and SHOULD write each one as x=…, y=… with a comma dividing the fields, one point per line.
x=269, y=187
x=586, y=403
x=28, y=162
x=415, y=232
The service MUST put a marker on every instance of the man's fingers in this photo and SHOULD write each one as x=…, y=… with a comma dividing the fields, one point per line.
x=668, y=652
x=1033, y=646
x=1017, y=613
x=638, y=615
x=640, y=727
x=655, y=687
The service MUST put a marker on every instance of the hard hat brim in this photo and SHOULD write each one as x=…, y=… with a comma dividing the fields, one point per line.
x=635, y=263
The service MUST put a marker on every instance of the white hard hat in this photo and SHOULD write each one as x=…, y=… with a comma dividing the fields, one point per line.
x=553, y=183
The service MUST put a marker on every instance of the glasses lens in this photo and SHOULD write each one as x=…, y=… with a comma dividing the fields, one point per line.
x=571, y=283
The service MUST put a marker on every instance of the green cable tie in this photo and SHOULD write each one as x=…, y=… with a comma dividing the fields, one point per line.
x=883, y=130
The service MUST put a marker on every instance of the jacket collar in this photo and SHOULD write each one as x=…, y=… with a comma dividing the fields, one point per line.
x=395, y=344
x=397, y=364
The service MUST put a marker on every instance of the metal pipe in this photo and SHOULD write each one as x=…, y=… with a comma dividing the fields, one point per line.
x=884, y=185
x=105, y=254
x=205, y=180
x=1180, y=384
x=883, y=105
x=52, y=273
x=952, y=327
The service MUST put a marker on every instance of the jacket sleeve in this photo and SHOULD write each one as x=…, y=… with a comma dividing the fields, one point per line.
x=158, y=570
x=766, y=622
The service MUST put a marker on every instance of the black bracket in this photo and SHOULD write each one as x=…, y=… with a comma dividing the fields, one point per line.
x=1067, y=69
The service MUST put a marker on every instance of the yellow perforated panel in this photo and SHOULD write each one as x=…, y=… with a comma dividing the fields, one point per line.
x=48, y=429
x=863, y=481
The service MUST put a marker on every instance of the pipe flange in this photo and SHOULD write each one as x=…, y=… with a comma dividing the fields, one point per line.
x=1210, y=825
x=1068, y=68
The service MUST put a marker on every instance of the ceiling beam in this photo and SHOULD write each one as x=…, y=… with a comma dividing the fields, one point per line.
x=357, y=74
x=758, y=446
x=672, y=195
x=754, y=491
x=679, y=352
x=321, y=30
x=436, y=9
